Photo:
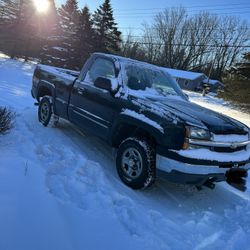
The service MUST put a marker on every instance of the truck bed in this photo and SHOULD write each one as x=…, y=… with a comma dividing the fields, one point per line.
x=65, y=73
x=61, y=81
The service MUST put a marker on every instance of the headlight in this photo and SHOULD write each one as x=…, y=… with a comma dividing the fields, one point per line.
x=198, y=133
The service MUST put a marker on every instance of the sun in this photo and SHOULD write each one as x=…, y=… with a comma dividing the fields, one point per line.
x=42, y=6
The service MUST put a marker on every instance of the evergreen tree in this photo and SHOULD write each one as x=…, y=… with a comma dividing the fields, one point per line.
x=107, y=35
x=8, y=16
x=52, y=53
x=18, y=26
x=69, y=22
x=86, y=34
x=25, y=28
x=8, y=11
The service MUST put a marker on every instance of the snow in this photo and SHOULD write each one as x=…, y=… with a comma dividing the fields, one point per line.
x=169, y=165
x=60, y=49
x=114, y=84
x=212, y=82
x=60, y=190
x=231, y=138
x=147, y=93
x=65, y=73
x=206, y=154
x=189, y=75
x=143, y=118
x=219, y=105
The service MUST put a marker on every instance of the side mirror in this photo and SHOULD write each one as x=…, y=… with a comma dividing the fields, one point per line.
x=106, y=83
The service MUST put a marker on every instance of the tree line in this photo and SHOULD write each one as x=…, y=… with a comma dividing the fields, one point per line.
x=65, y=37
x=204, y=42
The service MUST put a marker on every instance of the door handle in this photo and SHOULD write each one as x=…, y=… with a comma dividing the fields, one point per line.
x=80, y=91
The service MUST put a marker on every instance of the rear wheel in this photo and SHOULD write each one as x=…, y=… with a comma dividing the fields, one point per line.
x=135, y=163
x=45, y=110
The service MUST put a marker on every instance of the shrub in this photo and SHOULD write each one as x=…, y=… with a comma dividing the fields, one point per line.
x=6, y=120
x=237, y=91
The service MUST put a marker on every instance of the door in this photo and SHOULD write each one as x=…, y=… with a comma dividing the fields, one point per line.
x=90, y=107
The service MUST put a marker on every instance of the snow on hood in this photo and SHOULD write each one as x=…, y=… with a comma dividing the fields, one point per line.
x=195, y=114
x=180, y=110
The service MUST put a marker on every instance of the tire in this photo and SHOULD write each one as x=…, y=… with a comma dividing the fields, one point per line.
x=135, y=163
x=45, y=110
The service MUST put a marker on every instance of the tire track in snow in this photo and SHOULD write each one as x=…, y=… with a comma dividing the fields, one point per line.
x=73, y=178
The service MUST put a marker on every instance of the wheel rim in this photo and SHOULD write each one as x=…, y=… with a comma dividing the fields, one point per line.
x=132, y=162
x=44, y=111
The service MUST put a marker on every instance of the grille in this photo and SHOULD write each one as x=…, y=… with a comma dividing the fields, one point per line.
x=227, y=150
x=230, y=165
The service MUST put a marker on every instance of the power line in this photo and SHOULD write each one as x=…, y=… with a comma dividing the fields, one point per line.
x=157, y=37
x=187, y=11
x=190, y=29
x=191, y=45
x=187, y=7
x=228, y=13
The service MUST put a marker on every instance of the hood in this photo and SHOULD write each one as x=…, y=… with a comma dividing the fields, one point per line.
x=195, y=115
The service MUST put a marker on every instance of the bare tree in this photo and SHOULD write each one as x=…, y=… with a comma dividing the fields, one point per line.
x=177, y=40
x=170, y=28
x=203, y=42
x=132, y=48
x=231, y=35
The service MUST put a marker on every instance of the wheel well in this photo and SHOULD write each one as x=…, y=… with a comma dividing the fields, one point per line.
x=43, y=91
x=126, y=130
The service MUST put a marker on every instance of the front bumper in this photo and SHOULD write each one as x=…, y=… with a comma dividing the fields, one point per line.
x=206, y=157
x=179, y=166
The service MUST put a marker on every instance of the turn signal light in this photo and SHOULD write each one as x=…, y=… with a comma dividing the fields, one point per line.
x=185, y=145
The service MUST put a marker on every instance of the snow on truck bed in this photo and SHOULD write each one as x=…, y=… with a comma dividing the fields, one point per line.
x=60, y=190
x=66, y=73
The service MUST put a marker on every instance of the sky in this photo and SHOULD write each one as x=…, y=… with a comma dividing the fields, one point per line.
x=131, y=14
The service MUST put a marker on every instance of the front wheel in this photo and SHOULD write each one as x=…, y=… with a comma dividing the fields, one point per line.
x=135, y=163
x=45, y=110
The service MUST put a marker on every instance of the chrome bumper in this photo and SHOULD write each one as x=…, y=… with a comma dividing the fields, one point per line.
x=232, y=145
x=168, y=165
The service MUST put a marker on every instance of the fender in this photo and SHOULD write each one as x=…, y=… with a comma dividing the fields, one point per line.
x=43, y=84
x=124, y=119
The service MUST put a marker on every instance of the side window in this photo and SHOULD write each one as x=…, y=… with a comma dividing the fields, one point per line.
x=100, y=68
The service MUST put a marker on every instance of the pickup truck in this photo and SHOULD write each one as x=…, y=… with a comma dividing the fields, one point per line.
x=139, y=110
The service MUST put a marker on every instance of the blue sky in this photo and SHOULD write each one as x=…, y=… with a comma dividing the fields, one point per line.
x=132, y=13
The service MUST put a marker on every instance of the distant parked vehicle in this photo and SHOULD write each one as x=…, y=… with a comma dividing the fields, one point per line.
x=139, y=109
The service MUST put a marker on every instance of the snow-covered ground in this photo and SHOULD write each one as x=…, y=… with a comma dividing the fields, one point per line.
x=59, y=190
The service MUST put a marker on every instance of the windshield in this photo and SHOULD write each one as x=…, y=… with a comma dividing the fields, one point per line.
x=150, y=80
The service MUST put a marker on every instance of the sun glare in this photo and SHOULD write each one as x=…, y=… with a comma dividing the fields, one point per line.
x=41, y=5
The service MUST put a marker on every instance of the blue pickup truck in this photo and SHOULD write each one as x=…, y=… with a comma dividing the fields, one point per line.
x=141, y=111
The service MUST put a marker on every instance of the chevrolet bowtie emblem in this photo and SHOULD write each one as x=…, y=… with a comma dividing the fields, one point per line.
x=233, y=146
